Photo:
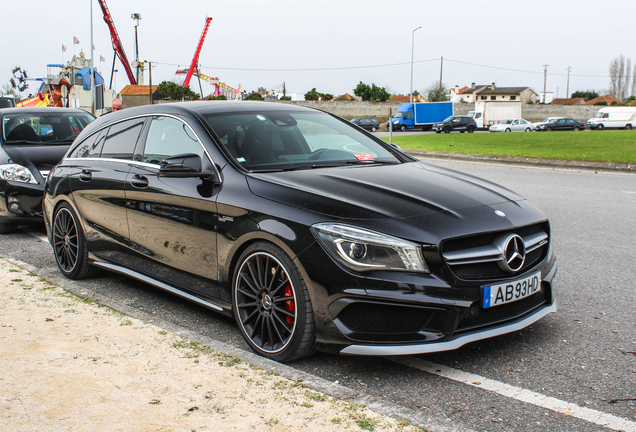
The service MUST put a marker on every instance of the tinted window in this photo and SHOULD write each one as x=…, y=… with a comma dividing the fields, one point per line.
x=91, y=146
x=51, y=127
x=122, y=138
x=169, y=137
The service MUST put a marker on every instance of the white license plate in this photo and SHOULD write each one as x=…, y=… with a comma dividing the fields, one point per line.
x=509, y=292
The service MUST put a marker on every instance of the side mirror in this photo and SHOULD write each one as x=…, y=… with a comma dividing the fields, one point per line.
x=185, y=165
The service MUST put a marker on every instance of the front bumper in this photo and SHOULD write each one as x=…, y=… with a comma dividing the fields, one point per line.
x=20, y=203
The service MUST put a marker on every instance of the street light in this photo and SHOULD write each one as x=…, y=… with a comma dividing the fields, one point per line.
x=412, y=51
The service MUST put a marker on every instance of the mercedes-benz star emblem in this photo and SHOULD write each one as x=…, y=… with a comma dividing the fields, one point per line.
x=514, y=253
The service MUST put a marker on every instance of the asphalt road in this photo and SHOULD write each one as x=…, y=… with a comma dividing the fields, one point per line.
x=568, y=372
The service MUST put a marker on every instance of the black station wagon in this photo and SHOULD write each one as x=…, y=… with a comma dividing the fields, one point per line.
x=311, y=232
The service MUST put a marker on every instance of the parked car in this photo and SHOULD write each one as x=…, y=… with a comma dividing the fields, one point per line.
x=310, y=232
x=562, y=124
x=32, y=141
x=512, y=125
x=367, y=123
x=7, y=102
x=456, y=123
x=544, y=121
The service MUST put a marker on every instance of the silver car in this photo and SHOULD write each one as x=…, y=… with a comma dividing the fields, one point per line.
x=512, y=125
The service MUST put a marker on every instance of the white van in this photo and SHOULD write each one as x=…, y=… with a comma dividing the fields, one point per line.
x=613, y=117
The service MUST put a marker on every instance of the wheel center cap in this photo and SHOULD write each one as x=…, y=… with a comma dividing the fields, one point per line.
x=266, y=301
x=66, y=240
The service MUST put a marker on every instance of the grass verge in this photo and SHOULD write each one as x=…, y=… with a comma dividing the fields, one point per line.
x=618, y=146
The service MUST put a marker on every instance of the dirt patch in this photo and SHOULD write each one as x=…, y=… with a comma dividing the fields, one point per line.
x=68, y=364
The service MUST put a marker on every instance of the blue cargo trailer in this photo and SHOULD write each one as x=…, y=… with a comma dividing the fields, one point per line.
x=424, y=115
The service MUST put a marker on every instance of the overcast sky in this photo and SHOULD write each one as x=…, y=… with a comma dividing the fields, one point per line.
x=334, y=44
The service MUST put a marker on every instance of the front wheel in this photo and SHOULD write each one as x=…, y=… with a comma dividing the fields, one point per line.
x=549, y=129
x=447, y=129
x=69, y=244
x=528, y=130
x=271, y=304
x=600, y=127
x=373, y=129
x=402, y=128
x=628, y=127
x=507, y=130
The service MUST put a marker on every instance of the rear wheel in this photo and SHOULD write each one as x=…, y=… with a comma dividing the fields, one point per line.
x=528, y=130
x=578, y=129
x=271, y=304
x=628, y=127
x=69, y=244
x=507, y=130
x=8, y=228
x=373, y=129
x=549, y=129
x=471, y=129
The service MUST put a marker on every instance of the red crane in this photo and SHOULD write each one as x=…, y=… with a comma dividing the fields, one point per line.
x=195, y=60
x=117, y=46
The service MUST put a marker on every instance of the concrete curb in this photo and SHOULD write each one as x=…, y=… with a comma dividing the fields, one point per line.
x=545, y=163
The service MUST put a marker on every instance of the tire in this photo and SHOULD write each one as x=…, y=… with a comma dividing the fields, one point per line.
x=600, y=127
x=402, y=128
x=578, y=129
x=549, y=129
x=69, y=244
x=438, y=131
x=373, y=129
x=462, y=131
x=273, y=327
x=471, y=129
x=628, y=127
x=447, y=129
x=507, y=130
x=528, y=130
x=8, y=228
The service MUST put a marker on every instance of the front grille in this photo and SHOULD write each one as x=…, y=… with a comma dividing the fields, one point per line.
x=502, y=313
x=384, y=319
x=490, y=269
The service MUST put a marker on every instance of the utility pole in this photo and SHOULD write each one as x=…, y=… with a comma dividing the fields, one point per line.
x=136, y=17
x=412, y=52
x=441, y=67
x=567, y=91
x=92, y=67
x=545, y=77
x=150, y=77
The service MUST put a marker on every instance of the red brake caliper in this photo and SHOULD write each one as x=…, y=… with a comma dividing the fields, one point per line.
x=291, y=304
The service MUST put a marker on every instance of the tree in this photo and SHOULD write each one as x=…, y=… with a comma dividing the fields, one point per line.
x=173, y=91
x=254, y=96
x=587, y=95
x=312, y=95
x=371, y=93
x=219, y=97
x=326, y=96
x=620, y=74
x=437, y=92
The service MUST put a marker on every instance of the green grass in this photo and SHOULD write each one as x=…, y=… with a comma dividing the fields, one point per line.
x=618, y=146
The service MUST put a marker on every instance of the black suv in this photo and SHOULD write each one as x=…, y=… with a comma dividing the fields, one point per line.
x=456, y=123
x=7, y=102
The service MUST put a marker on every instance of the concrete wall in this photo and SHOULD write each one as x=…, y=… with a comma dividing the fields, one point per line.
x=380, y=110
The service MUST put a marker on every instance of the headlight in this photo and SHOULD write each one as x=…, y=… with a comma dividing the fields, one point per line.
x=18, y=173
x=396, y=121
x=363, y=250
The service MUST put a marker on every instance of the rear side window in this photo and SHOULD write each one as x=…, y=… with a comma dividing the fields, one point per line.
x=91, y=146
x=121, y=139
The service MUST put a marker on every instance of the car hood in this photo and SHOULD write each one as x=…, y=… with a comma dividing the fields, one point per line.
x=380, y=191
x=43, y=157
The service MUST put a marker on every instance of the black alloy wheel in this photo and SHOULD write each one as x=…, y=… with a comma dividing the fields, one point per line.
x=69, y=244
x=271, y=304
x=447, y=129
x=471, y=129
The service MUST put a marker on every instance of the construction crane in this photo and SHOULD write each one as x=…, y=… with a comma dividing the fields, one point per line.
x=117, y=45
x=195, y=60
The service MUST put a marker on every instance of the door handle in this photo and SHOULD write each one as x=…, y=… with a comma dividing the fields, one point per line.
x=139, y=181
x=85, y=176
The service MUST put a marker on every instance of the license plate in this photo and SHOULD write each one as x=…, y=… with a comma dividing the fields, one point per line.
x=509, y=292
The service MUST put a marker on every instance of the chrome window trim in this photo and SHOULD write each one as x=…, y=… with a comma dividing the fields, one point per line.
x=210, y=159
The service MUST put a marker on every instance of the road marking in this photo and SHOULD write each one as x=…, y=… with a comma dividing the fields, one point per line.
x=34, y=233
x=523, y=395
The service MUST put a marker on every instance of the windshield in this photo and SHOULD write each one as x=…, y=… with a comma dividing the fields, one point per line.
x=507, y=121
x=449, y=119
x=43, y=127
x=549, y=120
x=399, y=114
x=279, y=140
